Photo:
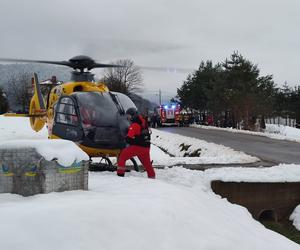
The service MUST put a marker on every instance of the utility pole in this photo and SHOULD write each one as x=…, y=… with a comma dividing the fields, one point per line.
x=159, y=96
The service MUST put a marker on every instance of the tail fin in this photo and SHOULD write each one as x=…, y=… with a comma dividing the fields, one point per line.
x=37, y=110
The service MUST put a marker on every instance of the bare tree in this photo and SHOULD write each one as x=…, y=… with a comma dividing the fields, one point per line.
x=19, y=91
x=127, y=79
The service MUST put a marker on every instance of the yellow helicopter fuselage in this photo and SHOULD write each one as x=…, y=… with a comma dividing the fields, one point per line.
x=105, y=135
x=39, y=116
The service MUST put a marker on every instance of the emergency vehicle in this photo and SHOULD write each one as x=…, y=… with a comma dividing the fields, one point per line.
x=169, y=114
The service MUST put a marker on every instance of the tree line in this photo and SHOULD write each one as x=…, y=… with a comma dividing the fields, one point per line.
x=234, y=94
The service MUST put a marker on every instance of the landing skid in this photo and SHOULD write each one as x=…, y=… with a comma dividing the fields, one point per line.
x=105, y=164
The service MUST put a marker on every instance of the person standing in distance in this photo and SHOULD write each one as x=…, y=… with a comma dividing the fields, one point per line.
x=138, y=138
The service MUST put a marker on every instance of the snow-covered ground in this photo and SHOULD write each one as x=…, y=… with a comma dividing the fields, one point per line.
x=209, y=153
x=285, y=132
x=295, y=217
x=273, y=131
x=178, y=210
x=18, y=128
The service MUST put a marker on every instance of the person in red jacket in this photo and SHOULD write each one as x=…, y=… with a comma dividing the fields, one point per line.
x=138, y=138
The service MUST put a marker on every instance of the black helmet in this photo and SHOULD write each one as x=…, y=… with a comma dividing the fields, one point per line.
x=132, y=111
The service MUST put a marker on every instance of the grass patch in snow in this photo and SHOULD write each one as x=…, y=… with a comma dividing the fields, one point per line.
x=284, y=228
x=185, y=147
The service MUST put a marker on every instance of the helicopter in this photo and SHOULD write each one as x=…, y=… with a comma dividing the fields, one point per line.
x=82, y=110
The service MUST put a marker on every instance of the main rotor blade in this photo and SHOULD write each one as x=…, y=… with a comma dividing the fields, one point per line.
x=168, y=69
x=84, y=62
x=103, y=65
x=64, y=63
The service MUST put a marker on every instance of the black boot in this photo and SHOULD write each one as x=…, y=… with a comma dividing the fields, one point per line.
x=121, y=175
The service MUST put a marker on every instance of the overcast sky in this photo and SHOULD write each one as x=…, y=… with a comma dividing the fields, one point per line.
x=167, y=33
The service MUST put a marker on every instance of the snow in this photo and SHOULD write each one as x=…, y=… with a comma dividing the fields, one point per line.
x=285, y=132
x=280, y=173
x=273, y=131
x=210, y=153
x=15, y=132
x=65, y=152
x=178, y=210
x=18, y=128
x=295, y=217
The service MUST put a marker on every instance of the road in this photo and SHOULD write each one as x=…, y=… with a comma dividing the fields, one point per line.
x=267, y=149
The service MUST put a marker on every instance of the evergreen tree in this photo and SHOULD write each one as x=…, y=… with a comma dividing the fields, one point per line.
x=295, y=105
x=248, y=94
x=197, y=90
x=233, y=92
x=3, y=102
x=266, y=93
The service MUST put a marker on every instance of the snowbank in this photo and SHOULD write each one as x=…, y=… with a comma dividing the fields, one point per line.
x=273, y=131
x=18, y=128
x=15, y=132
x=295, y=217
x=65, y=152
x=280, y=173
x=286, y=132
x=176, y=211
x=210, y=153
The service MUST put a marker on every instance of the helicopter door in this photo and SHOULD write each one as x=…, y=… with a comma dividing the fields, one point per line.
x=66, y=123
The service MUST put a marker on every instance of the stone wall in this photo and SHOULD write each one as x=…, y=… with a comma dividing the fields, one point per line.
x=23, y=171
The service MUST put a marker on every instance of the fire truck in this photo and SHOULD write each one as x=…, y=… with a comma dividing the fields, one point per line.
x=169, y=114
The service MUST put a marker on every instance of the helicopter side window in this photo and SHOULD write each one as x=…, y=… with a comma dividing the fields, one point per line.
x=66, y=112
x=67, y=100
x=67, y=109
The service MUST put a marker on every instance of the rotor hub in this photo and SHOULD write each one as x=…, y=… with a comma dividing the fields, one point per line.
x=82, y=62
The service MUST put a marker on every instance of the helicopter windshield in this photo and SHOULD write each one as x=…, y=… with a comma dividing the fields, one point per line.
x=97, y=109
x=124, y=100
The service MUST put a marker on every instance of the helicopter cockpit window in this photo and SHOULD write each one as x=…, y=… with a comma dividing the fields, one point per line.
x=97, y=109
x=66, y=112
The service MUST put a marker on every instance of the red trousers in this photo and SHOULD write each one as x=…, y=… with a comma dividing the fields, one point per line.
x=142, y=153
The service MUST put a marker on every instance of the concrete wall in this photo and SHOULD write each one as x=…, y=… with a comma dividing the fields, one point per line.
x=23, y=171
x=278, y=198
